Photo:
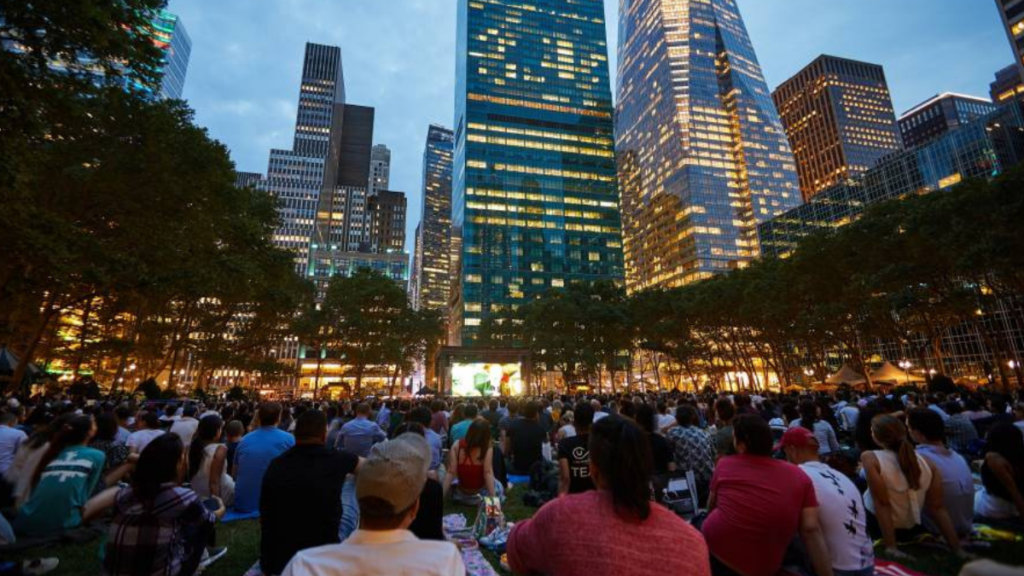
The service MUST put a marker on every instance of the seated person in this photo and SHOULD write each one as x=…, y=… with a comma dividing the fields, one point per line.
x=471, y=462
x=1002, y=475
x=624, y=529
x=902, y=483
x=574, y=454
x=429, y=522
x=300, y=503
x=63, y=481
x=207, y=462
x=149, y=428
x=388, y=488
x=254, y=454
x=158, y=526
x=525, y=439
x=929, y=433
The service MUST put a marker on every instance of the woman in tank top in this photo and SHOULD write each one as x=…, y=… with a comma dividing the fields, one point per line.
x=207, y=462
x=471, y=463
x=900, y=485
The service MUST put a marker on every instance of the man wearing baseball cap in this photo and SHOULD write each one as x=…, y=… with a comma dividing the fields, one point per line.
x=388, y=487
x=841, y=512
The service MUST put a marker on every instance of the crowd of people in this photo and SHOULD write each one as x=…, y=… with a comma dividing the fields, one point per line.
x=805, y=484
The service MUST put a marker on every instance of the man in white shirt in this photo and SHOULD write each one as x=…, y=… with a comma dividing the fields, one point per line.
x=10, y=439
x=388, y=486
x=841, y=511
x=186, y=427
x=149, y=428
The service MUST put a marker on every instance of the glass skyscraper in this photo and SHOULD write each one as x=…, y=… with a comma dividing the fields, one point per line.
x=170, y=35
x=839, y=118
x=940, y=114
x=432, y=265
x=702, y=154
x=534, y=183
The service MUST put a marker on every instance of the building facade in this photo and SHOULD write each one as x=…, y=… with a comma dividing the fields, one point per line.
x=387, y=222
x=534, y=183
x=839, y=119
x=169, y=35
x=940, y=114
x=432, y=267
x=702, y=154
x=1012, y=12
x=980, y=149
x=1007, y=85
x=380, y=169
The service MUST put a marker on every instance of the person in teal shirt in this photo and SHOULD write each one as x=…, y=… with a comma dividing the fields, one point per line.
x=459, y=430
x=63, y=482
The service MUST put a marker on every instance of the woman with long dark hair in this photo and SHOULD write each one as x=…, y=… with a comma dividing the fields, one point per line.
x=158, y=527
x=822, y=430
x=902, y=483
x=1002, y=475
x=617, y=516
x=207, y=462
x=62, y=481
x=20, y=474
x=471, y=461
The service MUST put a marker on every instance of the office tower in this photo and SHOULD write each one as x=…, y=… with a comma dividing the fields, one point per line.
x=940, y=114
x=534, y=189
x=1007, y=85
x=839, y=119
x=432, y=267
x=702, y=154
x=169, y=35
x=387, y=222
x=380, y=169
x=1012, y=12
x=247, y=179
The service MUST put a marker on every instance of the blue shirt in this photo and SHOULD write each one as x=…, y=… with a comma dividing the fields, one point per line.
x=384, y=417
x=252, y=457
x=359, y=435
x=436, y=446
x=459, y=430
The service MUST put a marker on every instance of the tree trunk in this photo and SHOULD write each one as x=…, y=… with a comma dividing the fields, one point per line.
x=83, y=334
x=26, y=355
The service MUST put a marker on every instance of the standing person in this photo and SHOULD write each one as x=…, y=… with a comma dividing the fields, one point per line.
x=526, y=438
x=207, y=462
x=358, y=435
x=301, y=500
x=63, y=481
x=149, y=428
x=757, y=506
x=574, y=454
x=624, y=529
x=822, y=430
x=900, y=484
x=929, y=433
x=692, y=449
x=159, y=527
x=841, y=508
x=10, y=439
x=186, y=426
x=388, y=487
x=1002, y=475
x=471, y=462
x=257, y=449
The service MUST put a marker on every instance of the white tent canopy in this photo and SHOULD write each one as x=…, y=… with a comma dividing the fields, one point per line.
x=890, y=374
x=846, y=375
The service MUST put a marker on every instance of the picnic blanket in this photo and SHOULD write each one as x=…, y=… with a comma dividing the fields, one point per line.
x=475, y=561
x=886, y=568
x=232, y=516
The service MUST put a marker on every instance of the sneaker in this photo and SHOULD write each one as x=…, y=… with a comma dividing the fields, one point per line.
x=39, y=566
x=211, y=555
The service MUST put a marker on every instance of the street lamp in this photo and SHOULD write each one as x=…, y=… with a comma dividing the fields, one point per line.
x=906, y=365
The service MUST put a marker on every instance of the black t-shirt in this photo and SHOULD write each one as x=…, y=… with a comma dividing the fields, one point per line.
x=526, y=438
x=661, y=452
x=577, y=451
x=300, y=503
x=428, y=522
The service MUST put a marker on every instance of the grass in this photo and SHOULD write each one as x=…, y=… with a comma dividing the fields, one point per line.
x=243, y=540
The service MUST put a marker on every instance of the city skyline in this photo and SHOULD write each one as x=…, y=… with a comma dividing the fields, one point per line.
x=243, y=87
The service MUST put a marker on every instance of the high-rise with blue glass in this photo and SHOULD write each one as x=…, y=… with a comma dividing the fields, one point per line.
x=534, y=180
x=169, y=35
x=703, y=157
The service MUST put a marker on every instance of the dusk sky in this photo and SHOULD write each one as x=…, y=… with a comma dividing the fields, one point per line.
x=399, y=57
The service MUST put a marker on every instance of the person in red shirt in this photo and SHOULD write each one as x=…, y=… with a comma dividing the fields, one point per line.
x=757, y=505
x=615, y=529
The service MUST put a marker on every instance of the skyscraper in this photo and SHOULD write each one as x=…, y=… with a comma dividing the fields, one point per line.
x=839, y=120
x=1007, y=85
x=940, y=114
x=432, y=265
x=1012, y=12
x=703, y=157
x=380, y=169
x=170, y=35
x=534, y=187
x=387, y=222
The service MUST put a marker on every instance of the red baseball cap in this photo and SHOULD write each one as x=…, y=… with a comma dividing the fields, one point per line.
x=797, y=437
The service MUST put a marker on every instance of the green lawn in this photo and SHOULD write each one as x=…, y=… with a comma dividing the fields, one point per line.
x=243, y=539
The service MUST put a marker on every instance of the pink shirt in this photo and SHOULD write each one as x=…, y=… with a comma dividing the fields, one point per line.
x=758, y=503
x=580, y=535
